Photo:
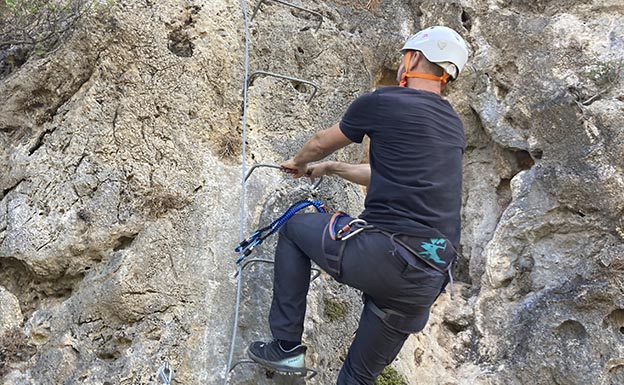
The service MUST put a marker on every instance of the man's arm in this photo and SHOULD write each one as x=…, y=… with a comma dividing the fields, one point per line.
x=355, y=173
x=316, y=148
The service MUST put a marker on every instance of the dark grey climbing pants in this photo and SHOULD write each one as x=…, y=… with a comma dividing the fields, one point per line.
x=367, y=264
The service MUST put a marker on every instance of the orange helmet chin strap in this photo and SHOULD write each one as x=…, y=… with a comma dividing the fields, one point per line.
x=403, y=83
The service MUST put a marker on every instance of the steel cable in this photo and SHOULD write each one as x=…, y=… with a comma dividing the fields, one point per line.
x=243, y=189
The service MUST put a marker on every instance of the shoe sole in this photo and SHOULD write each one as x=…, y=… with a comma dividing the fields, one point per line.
x=288, y=370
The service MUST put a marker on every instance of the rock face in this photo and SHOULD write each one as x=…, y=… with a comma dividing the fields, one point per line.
x=121, y=190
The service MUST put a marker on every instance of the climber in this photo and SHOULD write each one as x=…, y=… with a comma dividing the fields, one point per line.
x=414, y=194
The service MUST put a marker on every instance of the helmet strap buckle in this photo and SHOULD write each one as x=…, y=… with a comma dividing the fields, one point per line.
x=406, y=74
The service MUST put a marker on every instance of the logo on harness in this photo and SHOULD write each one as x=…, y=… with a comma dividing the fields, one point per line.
x=431, y=249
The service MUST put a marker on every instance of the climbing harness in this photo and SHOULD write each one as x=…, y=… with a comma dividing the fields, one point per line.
x=404, y=245
x=442, y=264
x=257, y=237
x=165, y=373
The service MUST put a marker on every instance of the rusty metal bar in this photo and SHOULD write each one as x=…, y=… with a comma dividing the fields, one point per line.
x=320, y=17
x=277, y=166
x=305, y=372
x=280, y=76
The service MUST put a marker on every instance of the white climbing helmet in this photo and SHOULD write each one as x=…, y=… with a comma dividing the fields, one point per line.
x=442, y=46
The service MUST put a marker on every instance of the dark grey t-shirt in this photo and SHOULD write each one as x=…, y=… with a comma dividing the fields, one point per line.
x=416, y=147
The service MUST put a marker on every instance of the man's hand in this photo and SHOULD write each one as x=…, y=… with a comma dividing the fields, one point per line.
x=316, y=148
x=297, y=170
x=356, y=173
x=320, y=169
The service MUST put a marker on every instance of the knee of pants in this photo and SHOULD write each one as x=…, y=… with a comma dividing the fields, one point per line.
x=284, y=230
x=289, y=229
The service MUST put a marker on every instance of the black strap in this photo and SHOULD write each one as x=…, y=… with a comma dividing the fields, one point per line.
x=333, y=259
x=394, y=318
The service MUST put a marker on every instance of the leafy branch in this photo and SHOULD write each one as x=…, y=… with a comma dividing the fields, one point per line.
x=605, y=76
x=37, y=26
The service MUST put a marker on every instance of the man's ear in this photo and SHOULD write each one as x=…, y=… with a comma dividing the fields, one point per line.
x=414, y=60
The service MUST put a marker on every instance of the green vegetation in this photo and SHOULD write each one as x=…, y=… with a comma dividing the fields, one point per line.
x=607, y=73
x=14, y=347
x=157, y=202
x=605, y=76
x=390, y=376
x=36, y=27
x=335, y=309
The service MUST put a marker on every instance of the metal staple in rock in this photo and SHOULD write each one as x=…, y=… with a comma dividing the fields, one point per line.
x=280, y=76
x=277, y=166
x=320, y=17
x=165, y=373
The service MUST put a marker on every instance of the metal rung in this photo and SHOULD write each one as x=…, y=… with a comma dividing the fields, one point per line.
x=277, y=166
x=255, y=166
x=320, y=17
x=266, y=73
x=317, y=272
x=312, y=372
x=239, y=276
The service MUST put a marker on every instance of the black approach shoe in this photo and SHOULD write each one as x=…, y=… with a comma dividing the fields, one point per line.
x=272, y=356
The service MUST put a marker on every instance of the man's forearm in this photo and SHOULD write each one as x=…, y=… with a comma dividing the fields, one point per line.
x=356, y=173
x=311, y=151
x=321, y=145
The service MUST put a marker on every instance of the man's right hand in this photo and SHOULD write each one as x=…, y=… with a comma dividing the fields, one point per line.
x=320, y=169
x=357, y=173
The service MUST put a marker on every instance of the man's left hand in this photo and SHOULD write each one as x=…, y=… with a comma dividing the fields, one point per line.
x=297, y=170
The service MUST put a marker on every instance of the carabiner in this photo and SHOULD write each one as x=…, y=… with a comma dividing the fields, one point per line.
x=348, y=226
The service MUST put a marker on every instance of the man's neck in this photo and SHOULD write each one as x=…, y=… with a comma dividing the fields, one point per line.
x=425, y=85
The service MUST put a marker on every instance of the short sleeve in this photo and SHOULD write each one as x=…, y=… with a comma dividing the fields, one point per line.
x=356, y=121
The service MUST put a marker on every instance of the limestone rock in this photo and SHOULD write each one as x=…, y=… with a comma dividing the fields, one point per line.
x=10, y=311
x=120, y=196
